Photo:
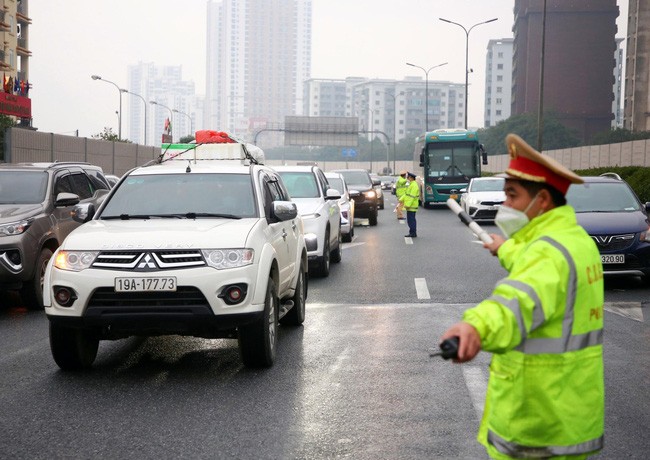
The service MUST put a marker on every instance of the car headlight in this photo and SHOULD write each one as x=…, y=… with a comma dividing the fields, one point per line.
x=314, y=215
x=74, y=261
x=474, y=201
x=15, y=228
x=228, y=258
x=370, y=194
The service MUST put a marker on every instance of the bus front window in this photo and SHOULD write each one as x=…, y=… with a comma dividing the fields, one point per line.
x=453, y=159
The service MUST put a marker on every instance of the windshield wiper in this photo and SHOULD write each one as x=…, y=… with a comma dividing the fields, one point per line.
x=194, y=215
x=143, y=216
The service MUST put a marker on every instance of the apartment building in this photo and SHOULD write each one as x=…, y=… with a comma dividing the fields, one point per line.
x=498, y=81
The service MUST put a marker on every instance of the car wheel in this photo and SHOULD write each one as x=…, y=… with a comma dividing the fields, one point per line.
x=372, y=220
x=347, y=237
x=32, y=292
x=381, y=204
x=296, y=315
x=324, y=260
x=73, y=349
x=257, y=341
x=337, y=253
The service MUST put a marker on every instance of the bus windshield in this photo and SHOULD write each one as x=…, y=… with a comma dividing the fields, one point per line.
x=453, y=159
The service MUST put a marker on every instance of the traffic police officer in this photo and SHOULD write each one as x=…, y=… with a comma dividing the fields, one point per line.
x=400, y=189
x=411, y=201
x=543, y=323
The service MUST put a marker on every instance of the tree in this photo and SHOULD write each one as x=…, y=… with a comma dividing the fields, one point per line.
x=186, y=139
x=5, y=122
x=109, y=135
x=617, y=135
x=555, y=136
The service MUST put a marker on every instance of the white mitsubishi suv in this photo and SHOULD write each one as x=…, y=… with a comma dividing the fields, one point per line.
x=204, y=242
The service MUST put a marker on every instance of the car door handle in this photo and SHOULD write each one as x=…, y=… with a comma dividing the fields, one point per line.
x=293, y=226
x=284, y=234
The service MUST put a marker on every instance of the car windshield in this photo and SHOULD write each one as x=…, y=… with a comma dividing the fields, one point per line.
x=602, y=197
x=489, y=185
x=183, y=195
x=300, y=184
x=336, y=184
x=356, y=178
x=22, y=187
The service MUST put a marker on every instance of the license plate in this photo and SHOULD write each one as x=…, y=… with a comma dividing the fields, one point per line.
x=453, y=196
x=612, y=258
x=145, y=284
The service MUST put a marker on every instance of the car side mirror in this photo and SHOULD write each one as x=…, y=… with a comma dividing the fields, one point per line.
x=283, y=210
x=64, y=199
x=83, y=212
x=481, y=148
x=647, y=206
x=332, y=194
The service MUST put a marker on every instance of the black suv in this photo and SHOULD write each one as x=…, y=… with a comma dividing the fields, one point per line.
x=366, y=203
x=37, y=202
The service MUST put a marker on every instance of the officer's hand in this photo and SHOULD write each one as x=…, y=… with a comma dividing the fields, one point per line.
x=497, y=241
x=469, y=342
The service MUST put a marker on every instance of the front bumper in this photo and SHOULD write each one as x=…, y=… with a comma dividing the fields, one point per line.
x=18, y=256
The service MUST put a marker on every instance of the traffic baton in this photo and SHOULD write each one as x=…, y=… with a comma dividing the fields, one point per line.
x=467, y=220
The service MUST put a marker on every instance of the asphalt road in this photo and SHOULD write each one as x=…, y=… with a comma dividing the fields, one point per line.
x=355, y=381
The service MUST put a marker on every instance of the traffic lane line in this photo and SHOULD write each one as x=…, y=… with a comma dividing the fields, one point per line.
x=421, y=288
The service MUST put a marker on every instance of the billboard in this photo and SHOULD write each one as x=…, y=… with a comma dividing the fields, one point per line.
x=321, y=131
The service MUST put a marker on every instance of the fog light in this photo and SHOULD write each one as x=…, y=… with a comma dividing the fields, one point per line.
x=64, y=296
x=233, y=294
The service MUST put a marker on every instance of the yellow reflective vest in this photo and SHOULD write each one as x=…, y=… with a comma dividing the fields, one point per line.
x=411, y=197
x=544, y=324
x=400, y=187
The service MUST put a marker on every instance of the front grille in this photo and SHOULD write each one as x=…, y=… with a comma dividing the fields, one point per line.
x=145, y=302
x=491, y=203
x=149, y=260
x=613, y=242
x=485, y=214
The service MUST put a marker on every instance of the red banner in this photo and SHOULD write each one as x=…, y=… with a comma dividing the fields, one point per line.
x=18, y=106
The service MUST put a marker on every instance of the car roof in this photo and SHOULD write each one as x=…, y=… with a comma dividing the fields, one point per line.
x=296, y=168
x=603, y=179
x=204, y=167
x=42, y=166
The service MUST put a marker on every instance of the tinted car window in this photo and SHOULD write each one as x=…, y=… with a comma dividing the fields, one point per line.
x=169, y=194
x=602, y=197
x=22, y=187
x=81, y=185
x=492, y=185
x=63, y=185
x=98, y=180
x=300, y=184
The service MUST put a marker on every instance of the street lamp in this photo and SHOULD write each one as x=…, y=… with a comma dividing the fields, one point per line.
x=145, y=111
x=171, y=115
x=119, y=90
x=467, y=31
x=426, y=91
x=188, y=117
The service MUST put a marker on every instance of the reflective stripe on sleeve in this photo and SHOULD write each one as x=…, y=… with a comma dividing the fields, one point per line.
x=513, y=306
x=538, y=311
x=519, y=451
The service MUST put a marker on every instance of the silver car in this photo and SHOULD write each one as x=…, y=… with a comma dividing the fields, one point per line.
x=346, y=203
x=482, y=197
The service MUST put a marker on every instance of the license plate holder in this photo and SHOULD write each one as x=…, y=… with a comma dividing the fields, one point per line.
x=612, y=258
x=145, y=284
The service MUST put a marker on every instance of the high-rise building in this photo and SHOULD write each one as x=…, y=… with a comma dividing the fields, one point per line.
x=578, y=61
x=617, y=108
x=258, y=56
x=14, y=61
x=636, y=111
x=498, y=81
x=174, y=98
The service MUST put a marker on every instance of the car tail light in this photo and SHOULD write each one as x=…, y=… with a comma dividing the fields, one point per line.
x=234, y=293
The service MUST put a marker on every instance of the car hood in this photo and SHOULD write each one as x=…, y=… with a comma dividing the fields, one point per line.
x=308, y=205
x=160, y=234
x=488, y=196
x=598, y=223
x=15, y=212
x=360, y=188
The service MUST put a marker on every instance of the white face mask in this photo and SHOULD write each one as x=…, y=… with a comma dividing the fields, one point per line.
x=511, y=220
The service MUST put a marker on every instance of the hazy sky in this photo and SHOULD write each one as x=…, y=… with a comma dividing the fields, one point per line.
x=74, y=39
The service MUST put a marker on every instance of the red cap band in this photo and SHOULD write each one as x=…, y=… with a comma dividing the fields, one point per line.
x=537, y=173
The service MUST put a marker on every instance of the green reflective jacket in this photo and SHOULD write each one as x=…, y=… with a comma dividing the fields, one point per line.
x=400, y=187
x=544, y=324
x=411, y=197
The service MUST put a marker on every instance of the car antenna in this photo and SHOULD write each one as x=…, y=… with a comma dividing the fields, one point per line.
x=188, y=169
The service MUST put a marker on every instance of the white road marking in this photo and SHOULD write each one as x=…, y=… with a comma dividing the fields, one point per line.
x=408, y=240
x=631, y=310
x=421, y=288
x=476, y=383
x=351, y=245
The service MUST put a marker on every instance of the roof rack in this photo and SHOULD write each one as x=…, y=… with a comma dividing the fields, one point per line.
x=222, y=147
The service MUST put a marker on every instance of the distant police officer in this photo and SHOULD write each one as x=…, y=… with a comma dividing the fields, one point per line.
x=400, y=189
x=411, y=201
x=544, y=322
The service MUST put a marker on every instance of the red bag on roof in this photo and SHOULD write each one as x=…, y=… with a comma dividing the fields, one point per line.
x=208, y=136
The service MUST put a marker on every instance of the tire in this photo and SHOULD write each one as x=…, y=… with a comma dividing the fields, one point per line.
x=32, y=291
x=73, y=349
x=258, y=341
x=347, y=238
x=381, y=204
x=323, y=269
x=336, y=254
x=372, y=220
x=296, y=315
